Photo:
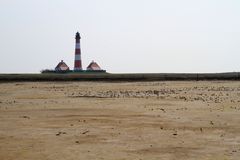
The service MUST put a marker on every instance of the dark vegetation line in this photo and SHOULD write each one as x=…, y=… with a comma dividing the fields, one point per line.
x=120, y=77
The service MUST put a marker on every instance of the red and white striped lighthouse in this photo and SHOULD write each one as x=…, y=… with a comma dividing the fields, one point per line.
x=78, y=61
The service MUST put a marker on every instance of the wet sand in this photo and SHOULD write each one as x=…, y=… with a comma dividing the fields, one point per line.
x=106, y=121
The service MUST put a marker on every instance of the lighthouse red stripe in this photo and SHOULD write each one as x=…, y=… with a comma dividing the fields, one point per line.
x=77, y=51
x=77, y=64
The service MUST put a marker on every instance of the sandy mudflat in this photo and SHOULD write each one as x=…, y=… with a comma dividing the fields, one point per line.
x=118, y=121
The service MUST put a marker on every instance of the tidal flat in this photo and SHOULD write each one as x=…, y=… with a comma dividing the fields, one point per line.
x=177, y=120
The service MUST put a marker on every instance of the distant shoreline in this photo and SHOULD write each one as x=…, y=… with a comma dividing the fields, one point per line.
x=120, y=77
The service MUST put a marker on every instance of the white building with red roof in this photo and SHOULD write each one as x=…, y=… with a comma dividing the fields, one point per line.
x=62, y=66
x=93, y=66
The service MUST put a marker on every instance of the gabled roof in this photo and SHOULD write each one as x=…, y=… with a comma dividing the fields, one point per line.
x=93, y=66
x=62, y=66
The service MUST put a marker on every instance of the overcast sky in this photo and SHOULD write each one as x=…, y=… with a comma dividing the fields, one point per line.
x=121, y=35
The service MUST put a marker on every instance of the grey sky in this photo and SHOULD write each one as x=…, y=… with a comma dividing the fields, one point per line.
x=121, y=35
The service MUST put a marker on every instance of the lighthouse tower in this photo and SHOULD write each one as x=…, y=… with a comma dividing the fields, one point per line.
x=78, y=61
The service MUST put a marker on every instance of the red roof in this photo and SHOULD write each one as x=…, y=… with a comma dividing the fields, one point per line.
x=62, y=66
x=93, y=66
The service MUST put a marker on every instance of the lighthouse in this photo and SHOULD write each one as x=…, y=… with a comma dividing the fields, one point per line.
x=78, y=60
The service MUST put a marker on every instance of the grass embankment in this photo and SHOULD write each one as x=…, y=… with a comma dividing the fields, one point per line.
x=119, y=77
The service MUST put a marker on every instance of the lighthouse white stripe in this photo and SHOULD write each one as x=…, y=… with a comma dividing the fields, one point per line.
x=77, y=46
x=77, y=57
